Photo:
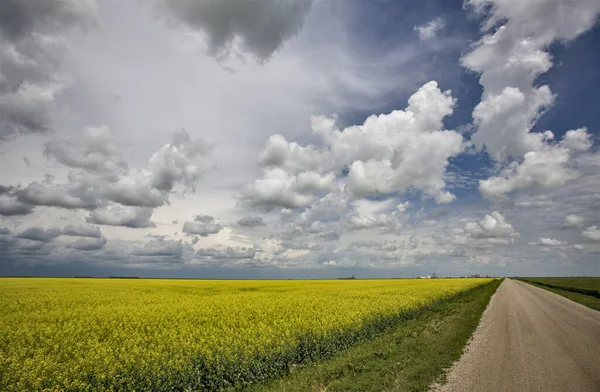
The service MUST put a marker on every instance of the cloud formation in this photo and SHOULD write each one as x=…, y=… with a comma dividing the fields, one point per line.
x=509, y=57
x=32, y=42
x=133, y=217
x=387, y=154
x=251, y=221
x=493, y=225
x=431, y=29
x=203, y=225
x=233, y=28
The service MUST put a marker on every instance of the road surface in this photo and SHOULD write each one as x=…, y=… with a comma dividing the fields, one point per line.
x=530, y=339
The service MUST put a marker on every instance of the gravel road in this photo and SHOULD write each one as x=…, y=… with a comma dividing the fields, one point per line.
x=530, y=339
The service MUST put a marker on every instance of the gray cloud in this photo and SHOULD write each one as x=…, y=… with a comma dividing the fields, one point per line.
x=105, y=177
x=82, y=231
x=88, y=244
x=203, y=225
x=173, y=162
x=30, y=55
x=226, y=254
x=39, y=234
x=69, y=196
x=10, y=207
x=133, y=217
x=251, y=221
x=259, y=27
x=97, y=152
x=164, y=250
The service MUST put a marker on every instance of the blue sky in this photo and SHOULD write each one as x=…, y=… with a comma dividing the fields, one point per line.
x=299, y=139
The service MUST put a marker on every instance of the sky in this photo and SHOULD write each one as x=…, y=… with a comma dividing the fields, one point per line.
x=299, y=139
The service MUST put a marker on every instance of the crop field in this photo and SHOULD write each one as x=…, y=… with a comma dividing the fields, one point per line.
x=587, y=286
x=135, y=334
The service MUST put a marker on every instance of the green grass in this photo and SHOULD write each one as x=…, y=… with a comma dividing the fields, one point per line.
x=588, y=300
x=408, y=358
x=587, y=286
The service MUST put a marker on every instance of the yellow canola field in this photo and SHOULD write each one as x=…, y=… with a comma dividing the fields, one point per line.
x=137, y=334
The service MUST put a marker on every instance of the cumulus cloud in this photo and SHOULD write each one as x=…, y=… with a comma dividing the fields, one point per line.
x=40, y=234
x=361, y=222
x=69, y=196
x=493, y=225
x=232, y=28
x=251, y=221
x=101, y=177
x=431, y=29
x=546, y=169
x=512, y=53
x=545, y=241
x=573, y=221
x=389, y=153
x=32, y=41
x=174, y=162
x=203, y=225
x=591, y=233
x=133, y=217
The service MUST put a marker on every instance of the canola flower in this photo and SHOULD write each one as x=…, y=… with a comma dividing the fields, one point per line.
x=113, y=334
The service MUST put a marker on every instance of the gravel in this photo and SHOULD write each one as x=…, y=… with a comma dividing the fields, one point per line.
x=530, y=339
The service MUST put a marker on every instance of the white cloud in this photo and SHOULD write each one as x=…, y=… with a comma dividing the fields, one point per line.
x=591, y=233
x=509, y=57
x=550, y=242
x=493, y=225
x=546, y=169
x=572, y=221
x=431, y=29
x=389, y=153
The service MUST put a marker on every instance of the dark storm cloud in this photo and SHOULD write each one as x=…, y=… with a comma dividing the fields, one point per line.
x=260, y=27
x=162, y=251
x=30, y=56
x=12, y=207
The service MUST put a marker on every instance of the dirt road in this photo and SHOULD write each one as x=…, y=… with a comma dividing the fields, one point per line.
x=530, y=340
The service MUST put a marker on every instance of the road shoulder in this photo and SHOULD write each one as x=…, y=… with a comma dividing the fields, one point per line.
x=410, y=357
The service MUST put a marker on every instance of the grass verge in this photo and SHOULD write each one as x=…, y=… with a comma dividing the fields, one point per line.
x=587, y=300
x=408, y=358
